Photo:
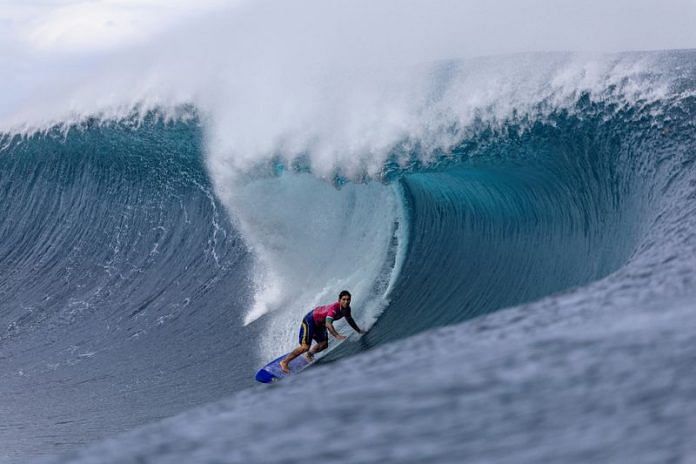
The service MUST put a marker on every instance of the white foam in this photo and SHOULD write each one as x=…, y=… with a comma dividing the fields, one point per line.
x=342, y=81
x=310, y=241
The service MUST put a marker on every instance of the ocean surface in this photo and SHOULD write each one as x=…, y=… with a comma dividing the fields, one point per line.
x=520, y=243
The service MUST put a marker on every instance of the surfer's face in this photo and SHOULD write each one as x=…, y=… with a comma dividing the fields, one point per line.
x=345, y=301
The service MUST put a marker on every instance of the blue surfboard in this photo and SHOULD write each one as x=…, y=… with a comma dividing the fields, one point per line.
x=271, y=372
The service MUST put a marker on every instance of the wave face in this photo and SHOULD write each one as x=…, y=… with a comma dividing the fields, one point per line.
x=512, y=215
x=130, y=294
x=116, y=257
x=487, y=236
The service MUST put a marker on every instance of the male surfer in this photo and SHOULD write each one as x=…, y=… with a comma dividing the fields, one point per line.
x=315, y=325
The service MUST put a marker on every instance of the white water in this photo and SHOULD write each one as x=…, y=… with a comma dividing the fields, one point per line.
x=342, y=81
x=310, y=240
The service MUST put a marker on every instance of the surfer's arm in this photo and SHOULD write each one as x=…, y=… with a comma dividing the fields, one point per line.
x=352, y=323
x=332, y=330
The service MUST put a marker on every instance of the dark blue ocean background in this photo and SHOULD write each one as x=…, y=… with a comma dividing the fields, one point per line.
x=125, y=284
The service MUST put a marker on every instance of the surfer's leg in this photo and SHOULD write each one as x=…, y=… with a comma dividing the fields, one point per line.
x=292, y=355
x=321, y=337
x=318, y=347
x=306, y=335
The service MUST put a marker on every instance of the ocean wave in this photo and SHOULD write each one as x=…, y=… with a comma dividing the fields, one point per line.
x=124, y=235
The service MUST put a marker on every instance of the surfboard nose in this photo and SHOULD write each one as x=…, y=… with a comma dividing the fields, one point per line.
x=264, y=376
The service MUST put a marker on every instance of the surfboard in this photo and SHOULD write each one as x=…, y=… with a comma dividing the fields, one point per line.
x=271, y=372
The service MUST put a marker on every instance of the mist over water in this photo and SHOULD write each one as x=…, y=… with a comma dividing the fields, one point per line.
x=342, y=83
x=281, y=58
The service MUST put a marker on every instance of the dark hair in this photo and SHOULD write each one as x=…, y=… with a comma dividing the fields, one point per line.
x=344, y=293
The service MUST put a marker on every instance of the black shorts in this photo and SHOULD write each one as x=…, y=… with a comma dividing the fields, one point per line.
x=310, y=331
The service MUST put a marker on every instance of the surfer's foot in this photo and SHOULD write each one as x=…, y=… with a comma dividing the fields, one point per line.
x=284, y=367
x=309, y=356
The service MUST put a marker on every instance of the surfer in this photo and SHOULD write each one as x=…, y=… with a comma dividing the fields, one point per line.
x=315, y=326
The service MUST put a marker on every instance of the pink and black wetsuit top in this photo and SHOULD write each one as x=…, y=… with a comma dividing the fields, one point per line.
x=331, y=311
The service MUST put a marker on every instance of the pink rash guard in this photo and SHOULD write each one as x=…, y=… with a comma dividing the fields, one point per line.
x=332, y=311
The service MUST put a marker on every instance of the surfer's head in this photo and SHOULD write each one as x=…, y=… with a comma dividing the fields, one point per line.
x=344, y=298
